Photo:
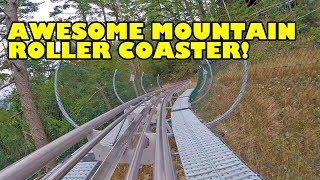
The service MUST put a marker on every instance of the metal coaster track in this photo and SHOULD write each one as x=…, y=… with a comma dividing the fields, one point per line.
x=105, y=149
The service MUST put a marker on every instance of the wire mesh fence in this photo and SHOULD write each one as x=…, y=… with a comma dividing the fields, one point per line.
x=149, y=82
x=125, y=86
x=81, y=95
x=86, y=94
x=201, y=82
x=276, y=127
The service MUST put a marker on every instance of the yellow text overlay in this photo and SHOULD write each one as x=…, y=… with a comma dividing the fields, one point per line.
x=181, y=41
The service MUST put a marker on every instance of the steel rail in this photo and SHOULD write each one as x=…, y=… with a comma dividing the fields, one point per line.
x=30, y=164
x=237, y=101
x=118, y=133
x=75, y=158
x=209, y=86
x=114, y=86
x=158, y=168
x=141, y=82
x=109, y=164
x=163, y=166
x=168, y=162
x=133, y=170
x=56, y=93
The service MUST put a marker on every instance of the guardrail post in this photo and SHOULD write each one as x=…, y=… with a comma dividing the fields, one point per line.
x=114, y=86
x=158, y=80
x=60, y=105
x=237, y=101
x=141, y=82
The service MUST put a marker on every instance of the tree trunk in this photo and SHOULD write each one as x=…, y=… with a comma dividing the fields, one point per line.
x=21, y=79
x=188, y=10
x=116, y=10
x=104, y=13
x=84, y=18
x=104, y=96
x=132, y=70
x=225, y=7
x=132, y=67
x=202, y=11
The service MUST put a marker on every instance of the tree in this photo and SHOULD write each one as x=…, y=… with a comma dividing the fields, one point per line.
x=82, y=7
x=188, y=9
x=21, y=79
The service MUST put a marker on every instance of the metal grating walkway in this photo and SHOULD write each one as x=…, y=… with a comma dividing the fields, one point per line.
x=203, y=155
x=83, y=170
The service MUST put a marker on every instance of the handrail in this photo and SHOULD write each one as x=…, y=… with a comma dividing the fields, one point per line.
x=108, y=165
x=75, y=158
x=30, y=164
x=114, y=86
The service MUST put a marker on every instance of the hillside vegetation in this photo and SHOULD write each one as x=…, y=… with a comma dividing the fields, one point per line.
x=276, y=127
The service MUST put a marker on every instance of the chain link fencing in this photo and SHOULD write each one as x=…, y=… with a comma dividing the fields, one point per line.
x=275, y=128
x=85, y=94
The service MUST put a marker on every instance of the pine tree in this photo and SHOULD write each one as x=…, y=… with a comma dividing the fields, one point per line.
x=22, y=84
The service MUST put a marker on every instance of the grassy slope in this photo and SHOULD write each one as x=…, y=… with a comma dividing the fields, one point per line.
x=276, y=127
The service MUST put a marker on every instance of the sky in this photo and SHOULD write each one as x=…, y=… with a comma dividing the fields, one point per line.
x=43, y=13
x=44, y=9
